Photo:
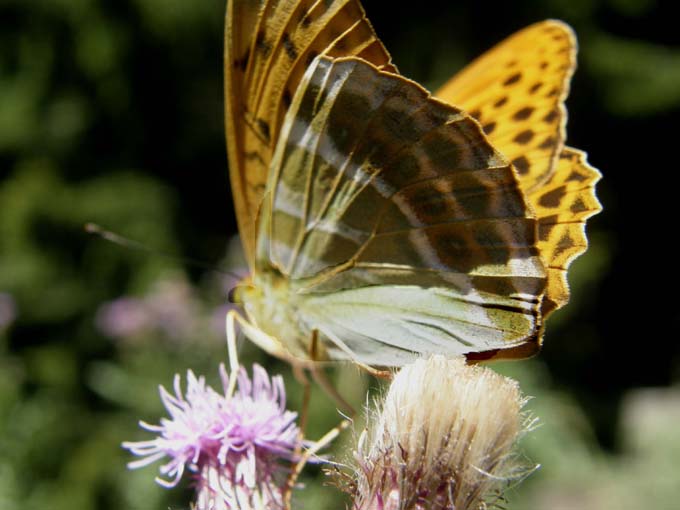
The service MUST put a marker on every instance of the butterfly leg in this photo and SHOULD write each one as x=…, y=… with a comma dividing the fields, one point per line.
x=321, y=379
x=265, y=342
x=324, y=441
x=232, y=351
x=300, y=376
x=375, y=372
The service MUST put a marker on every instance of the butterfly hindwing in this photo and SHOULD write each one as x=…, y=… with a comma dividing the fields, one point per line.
x=396, y=226
x=562, y=207
x=268, y=46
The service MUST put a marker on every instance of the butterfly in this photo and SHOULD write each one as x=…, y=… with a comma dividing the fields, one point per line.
x=381, y=222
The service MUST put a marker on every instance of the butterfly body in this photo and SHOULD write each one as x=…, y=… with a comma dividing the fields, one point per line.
x=274, y=308
x=382, y=223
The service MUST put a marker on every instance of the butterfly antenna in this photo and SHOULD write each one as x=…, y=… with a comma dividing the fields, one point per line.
x=97, y=230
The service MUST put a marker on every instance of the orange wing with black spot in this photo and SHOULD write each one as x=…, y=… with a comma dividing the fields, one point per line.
x=562, y=206
x=516, y=91
x=268, y=46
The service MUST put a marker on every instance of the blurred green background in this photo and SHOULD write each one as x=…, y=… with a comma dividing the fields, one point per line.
x=112, y=112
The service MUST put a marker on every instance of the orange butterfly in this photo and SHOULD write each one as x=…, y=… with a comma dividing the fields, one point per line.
x=381, y=223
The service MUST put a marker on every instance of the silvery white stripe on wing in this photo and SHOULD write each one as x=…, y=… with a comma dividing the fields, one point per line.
x=527, y=266
x=457, y=280
x=428, y=254
x=419, y=239
x=339, y=78
x=317, y=74
x=288, y=201
x=381, y=185
x=319, y=141
x=293, y=123
x=476, y=298
x=339, y=228
x=285, y=252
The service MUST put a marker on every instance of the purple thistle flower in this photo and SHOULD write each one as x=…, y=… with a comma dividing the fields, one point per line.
x=233, y=444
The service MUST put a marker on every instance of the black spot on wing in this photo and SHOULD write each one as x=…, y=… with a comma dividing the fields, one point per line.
x=242, y=63
x=521, y=164
x=545, y=226
x=287, y=99
x=547, y=143
x=551, y=116
x=578, y=206
x=534, y=88
x=564, y=244
x=524, y=137
x=512, y=79
x=306, y=20
x=576, y=177
x=488, y=128
x=500, y=102
x=289, y=47
x=264, y=129
x=553, y=198
x=523, y=113
x=261, y=44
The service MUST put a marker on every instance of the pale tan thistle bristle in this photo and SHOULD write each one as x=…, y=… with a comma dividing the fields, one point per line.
x=443, y=438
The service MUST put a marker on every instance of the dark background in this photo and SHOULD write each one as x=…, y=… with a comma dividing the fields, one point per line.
x=112, y=112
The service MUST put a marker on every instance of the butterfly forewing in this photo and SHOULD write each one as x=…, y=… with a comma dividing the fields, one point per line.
x=268, y=46
x=516, y=91
x=396, y=226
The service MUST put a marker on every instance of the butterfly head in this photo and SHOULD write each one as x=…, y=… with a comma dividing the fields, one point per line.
x=235, y=294
x=272, y=309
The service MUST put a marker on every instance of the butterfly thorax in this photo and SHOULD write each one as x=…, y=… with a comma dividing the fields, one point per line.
x=271, y=306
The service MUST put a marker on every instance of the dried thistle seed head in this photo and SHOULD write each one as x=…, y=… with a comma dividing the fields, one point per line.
x=442, y=438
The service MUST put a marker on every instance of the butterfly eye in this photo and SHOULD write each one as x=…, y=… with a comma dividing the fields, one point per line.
x=234, y=295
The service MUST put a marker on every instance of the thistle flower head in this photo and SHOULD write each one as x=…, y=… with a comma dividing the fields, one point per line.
x=442, y=439
x=235, y=446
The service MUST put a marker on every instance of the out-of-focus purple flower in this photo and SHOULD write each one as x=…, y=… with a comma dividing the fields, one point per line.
x=217, y=317
x=170, y=308
x=8, y=310
x=123, y=317
x=173, y=308
x=231, y=280
x=239, y=448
